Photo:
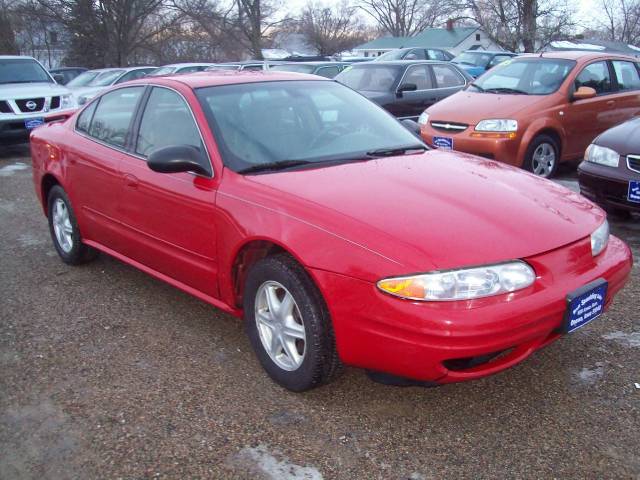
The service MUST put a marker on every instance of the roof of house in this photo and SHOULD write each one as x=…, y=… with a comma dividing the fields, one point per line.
x=595, y=45
x=430, y=37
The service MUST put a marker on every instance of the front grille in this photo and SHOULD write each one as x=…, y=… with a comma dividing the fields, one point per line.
x=55, y=103
x=633, y=162
x=4, y=107
x=36, y=103
x=450, y=127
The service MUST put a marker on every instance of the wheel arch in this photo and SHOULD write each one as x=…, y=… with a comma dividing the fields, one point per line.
x=46, y=184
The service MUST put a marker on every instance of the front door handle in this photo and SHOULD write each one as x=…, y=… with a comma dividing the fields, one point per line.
x=131, y=180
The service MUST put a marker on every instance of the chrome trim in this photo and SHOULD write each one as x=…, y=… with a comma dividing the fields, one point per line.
x=449, y=126
x=133, y=153
x=635, y=157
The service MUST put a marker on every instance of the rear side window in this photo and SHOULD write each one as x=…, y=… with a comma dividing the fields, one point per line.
x=416, y=54
x=112, y=117
x=132, y=75
x=84, y=120
x=420, y=75
x=627, y=75
x=447, y=77
x=437, y=55
x=156, y=132
x=596, y=76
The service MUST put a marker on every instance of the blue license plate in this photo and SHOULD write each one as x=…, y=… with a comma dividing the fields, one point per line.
x=634, y=192
x=445, y=143
x=33, y=123
x=585, y=304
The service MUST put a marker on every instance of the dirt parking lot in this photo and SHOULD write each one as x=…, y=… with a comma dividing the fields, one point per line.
x=107, y=373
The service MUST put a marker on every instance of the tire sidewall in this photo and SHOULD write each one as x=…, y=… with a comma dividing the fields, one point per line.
x=75, y=254
x=307, y=375
x=535, y=143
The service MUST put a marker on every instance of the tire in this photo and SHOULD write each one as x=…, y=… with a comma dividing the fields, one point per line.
x=306, y=331
x=542, y=156
x=64, y=230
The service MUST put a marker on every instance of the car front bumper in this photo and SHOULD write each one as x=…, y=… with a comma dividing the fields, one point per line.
x=447, y=342
x=607, y=186
x=505, y=150
x=14, y=130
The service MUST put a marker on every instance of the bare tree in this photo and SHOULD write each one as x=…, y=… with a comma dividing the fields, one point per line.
x=256, y=22
x=8, y=43
x=331, y=30
x=622, y=20
x=402, y=18
x=522, y=24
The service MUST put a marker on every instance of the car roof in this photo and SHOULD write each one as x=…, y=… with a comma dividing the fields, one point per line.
x=315, y=63
x=9, y=57
x=581, y=55
x=400, y=63
x=66, y=68
x=226, y=77
x=491, y=52
x=186, y=64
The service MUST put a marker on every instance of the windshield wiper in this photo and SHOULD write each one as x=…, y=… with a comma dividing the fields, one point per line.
x=390, y=152
x=473, y=84
x=274, y=166
x=506, y=90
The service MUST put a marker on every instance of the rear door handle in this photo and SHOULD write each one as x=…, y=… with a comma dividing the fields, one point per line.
x=131, y=180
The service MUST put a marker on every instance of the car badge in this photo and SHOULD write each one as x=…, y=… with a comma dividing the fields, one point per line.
x=31, y=105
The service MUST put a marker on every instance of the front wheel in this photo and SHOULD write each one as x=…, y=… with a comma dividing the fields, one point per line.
x=543, y=156
x=288, y=324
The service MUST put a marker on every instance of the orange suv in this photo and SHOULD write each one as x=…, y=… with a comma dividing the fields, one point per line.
x=535, y=111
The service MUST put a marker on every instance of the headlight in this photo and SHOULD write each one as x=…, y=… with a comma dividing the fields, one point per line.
x=497, y=125
x=67, y=101
x=602, y=155
x=463, y=284
x=600, y=238
x=423, y=119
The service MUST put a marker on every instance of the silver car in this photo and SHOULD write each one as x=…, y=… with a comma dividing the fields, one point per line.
x=88, y=84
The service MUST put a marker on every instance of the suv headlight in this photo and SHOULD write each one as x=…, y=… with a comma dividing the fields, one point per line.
x=600, y=238
x=67, y=101
x=602, y=155
x=462, y=284
x=497, y=125
x=423, y=119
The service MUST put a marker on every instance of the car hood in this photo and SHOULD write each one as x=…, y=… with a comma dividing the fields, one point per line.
x=480, y=106
x=436, y=210
x=10, y=91
x=623, y=138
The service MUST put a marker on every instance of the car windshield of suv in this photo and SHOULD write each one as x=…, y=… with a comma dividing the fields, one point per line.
x=258, y=125
x=474, y=59
x=370, y=78
x=392, y=55
x=296, y=67
x=525, y=76
x=22, y=70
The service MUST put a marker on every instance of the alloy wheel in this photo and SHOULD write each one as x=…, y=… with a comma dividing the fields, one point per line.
x=62, y=225
x=544, y=160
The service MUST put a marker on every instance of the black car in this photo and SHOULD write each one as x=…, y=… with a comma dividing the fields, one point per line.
x=405, y=88
x=324, y=69
x=64, y=75
x=415, y=54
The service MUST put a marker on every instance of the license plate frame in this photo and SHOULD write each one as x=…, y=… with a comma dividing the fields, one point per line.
x=32, y=123
x=585, y=305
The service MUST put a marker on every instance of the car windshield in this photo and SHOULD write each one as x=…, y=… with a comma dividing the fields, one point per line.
x=475, y=59
x=370, y=78
x=298, y=121
x=392, y=55
x=525, y=76
x=105, y=78
x=161, y=71
x=294, y=67
x=83, y=79
x=22, y=70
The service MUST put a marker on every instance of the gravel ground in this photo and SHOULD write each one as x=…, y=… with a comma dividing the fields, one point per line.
x=107, y=373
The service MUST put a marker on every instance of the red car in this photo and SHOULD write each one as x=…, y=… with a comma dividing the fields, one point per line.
x=302, y=206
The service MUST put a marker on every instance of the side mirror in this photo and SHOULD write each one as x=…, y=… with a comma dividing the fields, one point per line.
x=59, y=78
x=406, y=87
x=177, y=158
x=584, y=93
x=412, y=126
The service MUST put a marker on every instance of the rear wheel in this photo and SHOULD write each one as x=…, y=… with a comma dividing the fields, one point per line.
x=543, y=156
x=288, y=324
x=64, y=229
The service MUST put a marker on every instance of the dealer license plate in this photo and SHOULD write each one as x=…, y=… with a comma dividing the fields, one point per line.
x=585, y=304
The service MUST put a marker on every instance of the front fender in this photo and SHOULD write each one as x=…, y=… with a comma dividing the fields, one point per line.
x=534, y=129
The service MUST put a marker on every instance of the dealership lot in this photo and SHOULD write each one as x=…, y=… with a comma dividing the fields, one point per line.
x=108, y=373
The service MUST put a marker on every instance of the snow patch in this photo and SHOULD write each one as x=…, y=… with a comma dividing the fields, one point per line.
x=591, y=375
x=633, y=47
x=260, y=459
x=11, y=169
x=627, y=339
x=573, y=45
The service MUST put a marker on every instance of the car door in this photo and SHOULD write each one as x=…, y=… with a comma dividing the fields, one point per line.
x=627, y=97
x=94, y=161
x=448, y=80
x=410, y=104
x=586, y=119
x=169, y=217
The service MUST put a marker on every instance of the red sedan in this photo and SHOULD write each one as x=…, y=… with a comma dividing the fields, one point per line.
x=297, y=203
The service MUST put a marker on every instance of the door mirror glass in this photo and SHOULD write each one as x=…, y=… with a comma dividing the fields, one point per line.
x=177, y=158
x=584, y=93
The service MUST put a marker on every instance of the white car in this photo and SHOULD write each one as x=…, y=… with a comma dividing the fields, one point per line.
x=88, y=84
x=179, y=68
x=29, y=97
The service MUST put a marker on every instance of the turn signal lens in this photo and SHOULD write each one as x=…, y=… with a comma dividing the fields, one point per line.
x=463, y=284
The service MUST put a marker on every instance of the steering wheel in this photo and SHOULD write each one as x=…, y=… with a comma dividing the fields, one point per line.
x=329, y=134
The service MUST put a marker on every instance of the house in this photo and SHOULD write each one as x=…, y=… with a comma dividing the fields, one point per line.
x=452, y=39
